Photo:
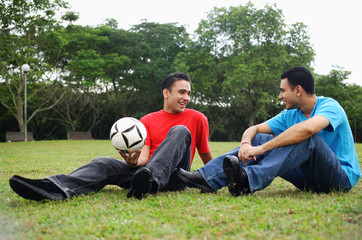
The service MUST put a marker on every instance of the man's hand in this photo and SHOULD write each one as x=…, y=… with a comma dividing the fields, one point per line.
x=248, y=152
x=131, y=160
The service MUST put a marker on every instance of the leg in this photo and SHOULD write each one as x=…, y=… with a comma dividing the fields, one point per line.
x=319, y=165
x=173, y=153
x=213, y=171
x=297, y=178
x=88, y=178
x=94, y=176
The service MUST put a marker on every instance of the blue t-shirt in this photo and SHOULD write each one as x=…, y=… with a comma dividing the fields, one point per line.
x=337, y=135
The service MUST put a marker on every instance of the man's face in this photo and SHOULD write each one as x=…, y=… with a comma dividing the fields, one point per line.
x=176, y=100
x=287, y=95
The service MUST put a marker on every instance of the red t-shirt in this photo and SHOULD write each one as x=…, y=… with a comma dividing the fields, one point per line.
x=159, y=123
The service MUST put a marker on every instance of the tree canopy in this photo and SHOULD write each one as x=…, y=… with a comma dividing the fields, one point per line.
x=83, y=78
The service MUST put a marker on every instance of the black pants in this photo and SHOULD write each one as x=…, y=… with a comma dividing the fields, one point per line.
x=174, y=152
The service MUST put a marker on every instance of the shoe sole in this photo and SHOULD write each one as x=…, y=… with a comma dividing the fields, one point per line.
x=141, y=183
x=28, y=191
x=232, y=172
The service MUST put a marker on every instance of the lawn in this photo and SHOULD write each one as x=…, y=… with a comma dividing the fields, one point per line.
x=278, y=212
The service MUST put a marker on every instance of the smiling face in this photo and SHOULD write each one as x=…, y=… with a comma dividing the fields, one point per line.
x=176, y=99
x=289, y=96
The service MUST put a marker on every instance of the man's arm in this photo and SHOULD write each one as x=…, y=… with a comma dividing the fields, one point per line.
x=295, y=134
x=246, y=139
x=139, y=158
x=205, y=157
x=250, y=133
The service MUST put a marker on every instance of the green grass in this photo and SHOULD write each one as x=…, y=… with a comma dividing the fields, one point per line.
x=278, y=212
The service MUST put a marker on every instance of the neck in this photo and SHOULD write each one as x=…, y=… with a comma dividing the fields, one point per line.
x=307, y=104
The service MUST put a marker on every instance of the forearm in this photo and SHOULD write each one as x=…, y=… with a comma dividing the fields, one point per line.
x=205, y=157
x=249, y=135
x=144, y=156
x=292, y=135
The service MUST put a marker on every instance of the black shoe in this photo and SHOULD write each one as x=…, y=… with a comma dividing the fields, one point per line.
x=141, y=183
x=36, y=189
x=239, y=183
x=194, y=180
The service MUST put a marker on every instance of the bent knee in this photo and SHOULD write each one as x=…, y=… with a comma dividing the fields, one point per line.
x=180, y=131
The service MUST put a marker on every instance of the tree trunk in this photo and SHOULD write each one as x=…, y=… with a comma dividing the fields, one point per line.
x=251, y=119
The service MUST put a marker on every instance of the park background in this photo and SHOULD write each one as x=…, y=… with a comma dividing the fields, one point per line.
x=85, y=77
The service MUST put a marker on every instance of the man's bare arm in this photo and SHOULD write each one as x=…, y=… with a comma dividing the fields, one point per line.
x=293, y=135
x=205, y=157
x=137, y=159
x=297, y=133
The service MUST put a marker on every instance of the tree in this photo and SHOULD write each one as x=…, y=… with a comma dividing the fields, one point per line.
x=78, y=109
x=159, y=45
x=238, y=56
x=124, y=66
x=349, y=96
x=22, y=27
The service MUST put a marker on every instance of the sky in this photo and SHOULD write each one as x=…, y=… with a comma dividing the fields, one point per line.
x=333, y=25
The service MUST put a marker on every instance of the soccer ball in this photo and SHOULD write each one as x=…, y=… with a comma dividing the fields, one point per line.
x=128, y=134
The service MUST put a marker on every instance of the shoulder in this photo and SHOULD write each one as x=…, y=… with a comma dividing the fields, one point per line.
x=195, y=113
x=332, y=110
x=328, y=104
x=152, y=114
x=326, y=101
x=287, y=114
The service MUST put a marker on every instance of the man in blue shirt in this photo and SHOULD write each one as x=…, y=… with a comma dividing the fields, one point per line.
x=313, y=147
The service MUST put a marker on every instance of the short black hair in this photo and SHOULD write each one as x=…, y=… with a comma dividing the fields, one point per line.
x=169, y=80
x=300, y=76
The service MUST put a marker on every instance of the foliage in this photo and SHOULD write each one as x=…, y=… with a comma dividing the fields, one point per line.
x=238, y=56
x=278, y=212
x=349, y=96
x=84, y=78
x=22, y=27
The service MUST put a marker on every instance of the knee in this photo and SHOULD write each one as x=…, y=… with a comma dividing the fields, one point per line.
x=261, y=138
x=180, y=131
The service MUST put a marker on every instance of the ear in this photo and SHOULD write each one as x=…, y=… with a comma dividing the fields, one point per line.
x=165, y=93
x=299, y=90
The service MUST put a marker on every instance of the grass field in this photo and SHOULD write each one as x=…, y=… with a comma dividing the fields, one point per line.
x=278, y=212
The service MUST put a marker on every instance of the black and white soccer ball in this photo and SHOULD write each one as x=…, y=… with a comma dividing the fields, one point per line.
x=128, y=134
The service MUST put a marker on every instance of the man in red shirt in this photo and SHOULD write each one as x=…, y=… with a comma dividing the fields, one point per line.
x=172, y=136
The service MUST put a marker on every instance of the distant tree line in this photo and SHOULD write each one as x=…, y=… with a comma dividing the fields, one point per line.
x=83, y=78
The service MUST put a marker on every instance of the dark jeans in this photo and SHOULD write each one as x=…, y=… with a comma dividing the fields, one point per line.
x=174, y=152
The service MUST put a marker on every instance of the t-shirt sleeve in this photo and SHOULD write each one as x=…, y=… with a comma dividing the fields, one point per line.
x=145, y=121
x=278, y=124
x=203, y=132
x=333, y=112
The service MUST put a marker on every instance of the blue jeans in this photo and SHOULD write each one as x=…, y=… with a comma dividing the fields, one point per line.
x=308, y=165
x=173, y=153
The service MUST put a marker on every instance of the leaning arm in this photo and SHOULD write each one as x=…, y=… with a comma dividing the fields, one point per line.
x=250, y=133
x=297, y=133
x=293, y=135
x=205, y=157
x=245, y=145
